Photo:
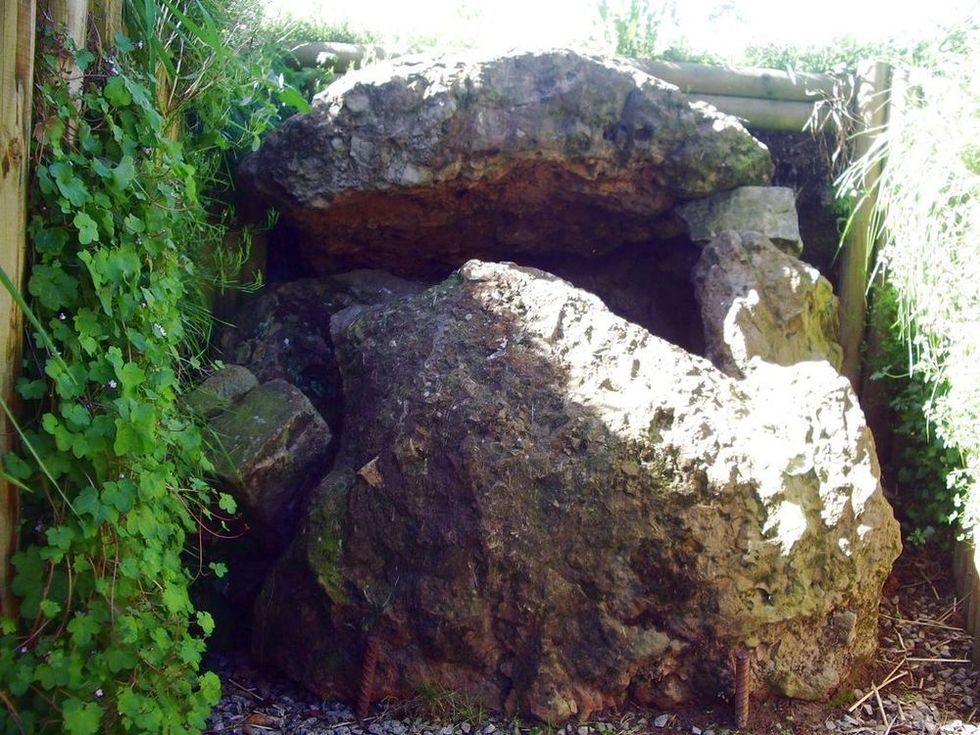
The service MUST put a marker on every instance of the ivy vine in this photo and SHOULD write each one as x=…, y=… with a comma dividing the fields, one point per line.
x=112, y=470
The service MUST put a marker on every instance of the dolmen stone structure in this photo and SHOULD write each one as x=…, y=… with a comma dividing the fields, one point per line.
x=600, y=443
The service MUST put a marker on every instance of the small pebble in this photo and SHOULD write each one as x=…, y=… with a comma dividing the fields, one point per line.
x=661, y=721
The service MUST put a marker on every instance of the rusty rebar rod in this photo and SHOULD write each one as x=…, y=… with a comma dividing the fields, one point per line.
x=369, y=665
x=743, y=672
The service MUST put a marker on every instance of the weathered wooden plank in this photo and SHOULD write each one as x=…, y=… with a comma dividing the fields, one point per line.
x=872, y=107
x=16, y=75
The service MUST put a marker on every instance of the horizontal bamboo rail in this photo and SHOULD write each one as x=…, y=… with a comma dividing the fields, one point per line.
x=762, y=114
x=763, y=84
x=766, y=99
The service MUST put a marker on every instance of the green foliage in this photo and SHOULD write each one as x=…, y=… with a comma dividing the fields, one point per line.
x=287, y=31
x=928, y=216
x=108, y=638
x=278, y=36
x=111, y=478
x=841, y=56
x=438, y=704
x=928, y=478
x=634, y=26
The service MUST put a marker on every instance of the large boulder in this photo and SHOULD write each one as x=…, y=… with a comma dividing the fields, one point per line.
x=768, y=210
x=417, y=164
x=283, y=333
x=542, y=505
x=759, y=302
x=270, y=446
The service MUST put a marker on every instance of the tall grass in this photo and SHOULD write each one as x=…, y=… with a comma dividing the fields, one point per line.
x=929, y=220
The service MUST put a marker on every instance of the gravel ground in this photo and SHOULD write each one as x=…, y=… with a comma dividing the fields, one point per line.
x=921, y=683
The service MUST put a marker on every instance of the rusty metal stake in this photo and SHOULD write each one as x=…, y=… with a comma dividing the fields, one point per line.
x=743, y=672
x=369, y=665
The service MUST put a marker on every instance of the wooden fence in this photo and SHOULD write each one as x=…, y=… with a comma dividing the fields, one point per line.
x=82, y=22
x=16, y=76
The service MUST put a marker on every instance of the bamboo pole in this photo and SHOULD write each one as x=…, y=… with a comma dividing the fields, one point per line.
x=756, y=83
x=16, y=77
x=872, y=107
x=764, y=114
x=340, y=56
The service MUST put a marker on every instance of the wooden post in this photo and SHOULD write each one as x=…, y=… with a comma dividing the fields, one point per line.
x=106, y=21
x=872, y=106
x=16, y=79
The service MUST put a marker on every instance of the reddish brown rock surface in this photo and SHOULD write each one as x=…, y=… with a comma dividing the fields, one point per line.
x=416, y=165
x=541, y=505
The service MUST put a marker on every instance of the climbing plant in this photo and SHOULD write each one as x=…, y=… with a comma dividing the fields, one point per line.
x=929, y=223
x=127, y=177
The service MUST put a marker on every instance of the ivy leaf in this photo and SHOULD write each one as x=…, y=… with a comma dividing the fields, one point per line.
x=100, y=169
x=49, y=240
x=54, y=288
x=76, y=414
x=120, y=495
x=116, y=93
x=60, y=538
x=123, y=43
x=122, y=263
x=88, y=230
x=32, y=390
x=124, y=173
x=227, y=503
x=16, y=467
x=189, y=651
x=134, y=224
x=83, y=58
x=175, y=598
x=83, y=628
x=89, y=329
x=54, y=130
x=81, y=718
x=71, y=187
x=289, y=96
x=88, y=502
x=120, y=659
x=50, y=608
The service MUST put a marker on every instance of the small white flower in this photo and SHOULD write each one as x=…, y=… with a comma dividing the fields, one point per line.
x=23, y=649
x=113, y=384
x=62, y=316
x=161, y=332
x=99, y=694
